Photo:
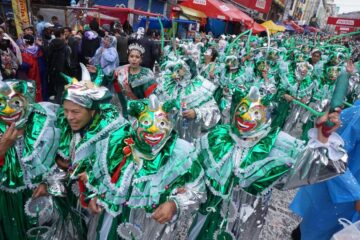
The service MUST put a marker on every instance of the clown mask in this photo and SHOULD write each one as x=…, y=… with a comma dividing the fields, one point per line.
x=261, y=66
x=303, y=69
x=332, y=73
x=250, y=116
x=222, y=45
x=232, y=63
x=15, y=102
x=179, y=70
x=273, y=56
x=208, y=52
x=152, y=127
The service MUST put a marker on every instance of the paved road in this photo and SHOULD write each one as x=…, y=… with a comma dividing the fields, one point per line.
x=280, y=221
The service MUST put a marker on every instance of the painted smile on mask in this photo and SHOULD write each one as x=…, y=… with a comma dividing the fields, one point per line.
x=333, y=73
x=153, y=128
x=249, y=116
x=153, y=139
x=245, y=126
x=12, y=110
x=12, y=118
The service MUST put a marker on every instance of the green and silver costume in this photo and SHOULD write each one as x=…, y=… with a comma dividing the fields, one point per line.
x=243, y=161
x=145, y=166
x=30, y=160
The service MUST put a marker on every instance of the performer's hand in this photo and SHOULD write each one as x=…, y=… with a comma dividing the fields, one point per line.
x=61, y=163
x=39, y=42
x=83, y=177
x=288, y=97
x=94, y=208
x=211, y=75
x=40, y=191
x=264, y=75
x=303, y=100
x=332, y=117
x=180, y=190
x=350, y=67
x=91, y=68
x=165, y=212
x=357, y=205
x=9, y=138
x=189, y=114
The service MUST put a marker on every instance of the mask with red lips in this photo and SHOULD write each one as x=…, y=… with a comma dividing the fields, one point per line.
x=152, y=127
x=250, y=115
x=15, y=101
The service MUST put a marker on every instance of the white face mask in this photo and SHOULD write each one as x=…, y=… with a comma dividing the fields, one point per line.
x=208, y=52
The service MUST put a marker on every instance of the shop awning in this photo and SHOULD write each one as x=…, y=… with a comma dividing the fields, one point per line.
x=119, y=12
x=257, y=28
x=192, y=12
x=154, y=23
x=348, y=22
x=217, y=9
x=295, y=26
x=258, y=5
x=272, y=27
x=104, y=19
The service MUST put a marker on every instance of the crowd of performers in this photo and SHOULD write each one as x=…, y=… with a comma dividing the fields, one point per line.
x=193, y=153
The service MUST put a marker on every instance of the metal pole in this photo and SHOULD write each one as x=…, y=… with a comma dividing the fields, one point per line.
x=147, y=17
x=29, y=11
x=66, y=17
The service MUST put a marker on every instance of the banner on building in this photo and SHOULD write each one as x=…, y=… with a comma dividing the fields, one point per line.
x=341, y=29
x=346, y=22
x=258, y=5
x=21, y=15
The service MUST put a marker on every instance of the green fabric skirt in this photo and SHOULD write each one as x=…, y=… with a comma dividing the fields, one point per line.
x=13, y=221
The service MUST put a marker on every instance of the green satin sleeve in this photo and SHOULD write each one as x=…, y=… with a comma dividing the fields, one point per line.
x=33, y=159
x=65, y=135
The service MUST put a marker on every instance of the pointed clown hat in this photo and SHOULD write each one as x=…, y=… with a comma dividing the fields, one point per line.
x=86, y=93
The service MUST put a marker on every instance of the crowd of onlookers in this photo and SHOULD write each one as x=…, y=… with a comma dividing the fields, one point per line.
x=44, y=50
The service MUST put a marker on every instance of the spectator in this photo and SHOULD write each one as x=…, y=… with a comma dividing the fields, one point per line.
x=6, y=42
x=127, y=28
x=106, y=28
x=40, y=25
x=27, y=29
x=8, y=66
x=122, y=45
x=151, y=53
x=47, y=34
x=107, y=57
x=55, y=22
x=58, y=61
x=73, y=43
x=90, y=42
x=30, y=56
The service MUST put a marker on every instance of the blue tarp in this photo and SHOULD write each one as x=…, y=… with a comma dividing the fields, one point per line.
x=110, y=3
x=216, y=26
x=157, y=6
x=288, y=27
x=154, y=23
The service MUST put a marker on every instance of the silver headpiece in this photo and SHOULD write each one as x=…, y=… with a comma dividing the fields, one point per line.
x=85, y=92
x=136, y=46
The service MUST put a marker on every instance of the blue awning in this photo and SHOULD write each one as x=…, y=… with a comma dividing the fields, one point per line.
x=154, y=22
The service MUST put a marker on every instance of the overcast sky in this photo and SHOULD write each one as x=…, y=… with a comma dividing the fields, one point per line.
x=348, y=5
